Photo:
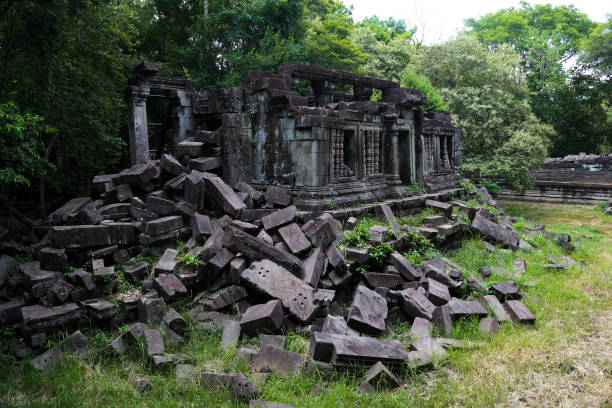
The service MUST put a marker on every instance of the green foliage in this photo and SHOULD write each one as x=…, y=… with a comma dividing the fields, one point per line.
x=411, y=79
x=358, y=236
x=380, y=251
x=21, y=147
x=415, y=189
x=471, y=188
x=491, y=186
x=387, y=30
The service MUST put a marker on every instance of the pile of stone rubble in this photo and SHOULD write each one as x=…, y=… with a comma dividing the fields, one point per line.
x=253, y=265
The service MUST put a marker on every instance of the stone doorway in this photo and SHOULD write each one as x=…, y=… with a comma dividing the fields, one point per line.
x=407, y=167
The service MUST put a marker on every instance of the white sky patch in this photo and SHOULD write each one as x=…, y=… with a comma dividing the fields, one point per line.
x=441, y=20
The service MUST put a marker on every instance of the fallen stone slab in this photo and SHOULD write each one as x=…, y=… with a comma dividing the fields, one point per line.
x=368, y=311
x=137, y=175
x=430, y=347
x=415, y=304
x=474, y=286
x=377, y=233
x=496, y=307
x=170, y=165
x=160, y=205
x=294, y=238
x=167, y=263
x=444, y=208
x=224, y=196
x=484, y=271
x=165, y=361
x=279, y=218
x=266, y=317
x=334, y=325
x=237, y=384
x=101, y=273
x=213, y=245
x=272, y=340
x=434, y=220
x=61, y=215
x=277, y=282
x=231, y=334
x=224, y=297
x=314, y=266
x=386, y=212
x=379, y=377
x=272, y=358
x=518, y=312
x=205, y=163
x=353, y=350
x=201, y=225
x=507, y=290
x=405, y=268
x=163, y=225
x=255, y=249
x=153, y=341
x=437, y=292
x=99, y=309
x=219, y=262
x=488, y=325
x=169, y=286
x=75, y=344
x=10, y=312
x=383, y=280
x=462, y=308
x=87, y=236
x=33, y=274
x=495, y=232
x=245, y=226
x=38, y=318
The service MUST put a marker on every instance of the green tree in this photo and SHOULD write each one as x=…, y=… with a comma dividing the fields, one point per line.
x=387, y=30
x=410, y=79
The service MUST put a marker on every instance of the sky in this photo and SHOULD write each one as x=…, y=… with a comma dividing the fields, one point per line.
x=440, y=20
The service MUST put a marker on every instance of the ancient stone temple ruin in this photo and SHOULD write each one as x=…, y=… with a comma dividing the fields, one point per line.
x=313, y=129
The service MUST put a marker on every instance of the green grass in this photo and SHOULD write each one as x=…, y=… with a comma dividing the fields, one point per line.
x=564, y=360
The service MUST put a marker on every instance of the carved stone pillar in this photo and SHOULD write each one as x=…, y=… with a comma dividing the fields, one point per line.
x=184, y=116
x=362, y=94
x=391, y=148
x=139, y=135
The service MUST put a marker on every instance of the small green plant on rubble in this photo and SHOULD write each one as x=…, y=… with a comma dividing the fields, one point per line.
x=380, y=251
x=415, y=188
x=491, y=186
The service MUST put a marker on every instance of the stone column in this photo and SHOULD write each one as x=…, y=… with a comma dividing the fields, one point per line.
x=139, y=135
x=184, y=116
x=391, y=156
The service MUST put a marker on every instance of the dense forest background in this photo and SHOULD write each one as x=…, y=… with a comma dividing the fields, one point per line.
x=523, y=83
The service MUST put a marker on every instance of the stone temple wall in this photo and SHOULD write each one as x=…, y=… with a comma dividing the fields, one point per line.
x=581, y=178
x=308, y=128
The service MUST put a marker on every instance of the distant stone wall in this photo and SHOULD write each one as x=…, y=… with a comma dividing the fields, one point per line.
x=582, y=178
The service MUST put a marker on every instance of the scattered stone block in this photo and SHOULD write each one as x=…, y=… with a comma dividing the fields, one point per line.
x=137, y=271
x=334, y=325
x=220, y=261
x=163, y=225
x=323, y=231
x=484, y=271
x=488, y=325
x=383, y=280
x=496, y=307
x=461, y=308
x=137, y=175
x=59, y=292
x=151, y=310
x=245, y=226
x=224, y=297
x=255, y=249
x=279, y=218
x=444, y=208
x=153, y=341
x=437, y=292
x=75, y=344
x=99, y=309
x=443, y=321
x=368, y=311
x=159, y=205
x=274, y=280
x=175, y=321
x=170, y=165
x=53, y=259
x=10, y=312
x=358, y=255
x=238, y=385
x=507, y=290
x=518, y=312
x=266, y=317
x=405, y=268
x=224, y=196
x=415, y=304
x=495, y=232
x=377, y=233
x=38, y=318
x=434, y=220
x=294, y=238
x=429, y=347
x=185, y=374
x=231, y=334
x=272, y=358
x=169, y=286
x=420, y=328
x=474, y=286
x=272, y=340
x=267, y=404
x=32, y=274
x=314, y=266
x=166, y=263
x=124, y=192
